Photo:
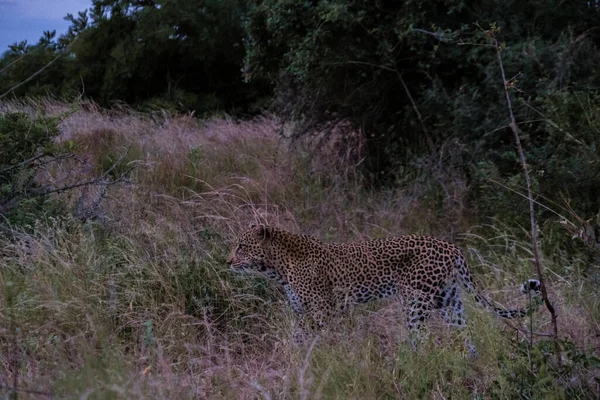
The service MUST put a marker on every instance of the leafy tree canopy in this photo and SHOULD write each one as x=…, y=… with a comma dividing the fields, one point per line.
x=188, y=52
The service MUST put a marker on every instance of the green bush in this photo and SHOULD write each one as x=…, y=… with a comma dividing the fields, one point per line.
x=27, y=146
x=562, y=154
x=413, y=74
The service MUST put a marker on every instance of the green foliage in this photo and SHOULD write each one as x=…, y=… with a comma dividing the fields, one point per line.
x=539, y=378
x=27, y=145
x=416, y=75
x=413, y=76
x=186, y=53
x=47, y=60
x=342, y=59
x=567, y=155
x=562, y=153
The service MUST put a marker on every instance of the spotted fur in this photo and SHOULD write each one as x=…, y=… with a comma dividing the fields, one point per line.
x=321, y=278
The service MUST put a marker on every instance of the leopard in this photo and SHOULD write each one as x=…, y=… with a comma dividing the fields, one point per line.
x=321, y=279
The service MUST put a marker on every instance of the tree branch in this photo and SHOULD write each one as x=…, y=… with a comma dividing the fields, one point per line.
x=22, y=163
x=534, y=240
x=414, y=105
x=12, y=63
x=46, y=190
x=406, y=90
x=439, y=36
x=16, y=390
x=18, y=85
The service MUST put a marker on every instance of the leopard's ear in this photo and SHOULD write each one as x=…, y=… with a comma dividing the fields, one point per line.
x=263, y=232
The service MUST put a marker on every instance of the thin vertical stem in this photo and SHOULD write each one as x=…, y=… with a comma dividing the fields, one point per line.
x=534, y=240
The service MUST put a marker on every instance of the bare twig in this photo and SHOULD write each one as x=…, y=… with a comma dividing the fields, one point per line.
x=15, y=358
x=406, y=90
x=22, y=163
x=367, y=64
x=438, y=35
x=38, y=164
x=526, y=332
x=26, y=391
x=414, y=105
x=535, y=201
x=304, y=390
x=534, y=241
x=39, y=71
x=12, y=63
x=46, y=190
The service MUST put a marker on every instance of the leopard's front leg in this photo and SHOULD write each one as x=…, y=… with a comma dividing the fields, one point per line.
x=295, y=301
x=313, y=308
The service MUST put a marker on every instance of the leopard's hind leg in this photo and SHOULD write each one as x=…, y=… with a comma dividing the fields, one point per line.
x=419, y=311
x=453, y=312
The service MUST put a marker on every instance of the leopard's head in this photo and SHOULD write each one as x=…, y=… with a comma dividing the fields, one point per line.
x=250, y=252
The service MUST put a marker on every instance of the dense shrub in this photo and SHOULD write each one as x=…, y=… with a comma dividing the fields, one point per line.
x=186, y=53
x=27, y=145
x=418, y=76
x=363, y=61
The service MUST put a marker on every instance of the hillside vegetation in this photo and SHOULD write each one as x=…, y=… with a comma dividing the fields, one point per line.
x=122, y=291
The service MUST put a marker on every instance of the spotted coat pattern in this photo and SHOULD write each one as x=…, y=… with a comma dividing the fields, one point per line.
x=320, y=278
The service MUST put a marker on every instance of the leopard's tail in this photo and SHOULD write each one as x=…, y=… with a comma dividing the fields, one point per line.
x=531, y=285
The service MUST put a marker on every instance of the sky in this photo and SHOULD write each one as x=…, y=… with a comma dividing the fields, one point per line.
x=28, y=19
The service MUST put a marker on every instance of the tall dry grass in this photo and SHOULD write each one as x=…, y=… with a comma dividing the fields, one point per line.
x=130, y=297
